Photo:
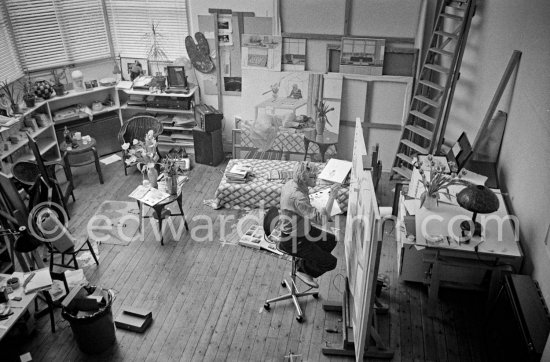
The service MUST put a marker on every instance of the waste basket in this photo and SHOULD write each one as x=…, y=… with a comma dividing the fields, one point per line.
x=94, y=333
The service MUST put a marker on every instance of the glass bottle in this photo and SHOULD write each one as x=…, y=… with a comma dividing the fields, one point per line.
x=67, y=136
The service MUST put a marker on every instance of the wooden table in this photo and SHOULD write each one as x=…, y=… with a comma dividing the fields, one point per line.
x=160, y=211
x=81, y=148
x=324, y=141
x=18, y=308
x=448, y=263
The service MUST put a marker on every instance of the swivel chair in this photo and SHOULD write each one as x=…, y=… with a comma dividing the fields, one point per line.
x=268, y=222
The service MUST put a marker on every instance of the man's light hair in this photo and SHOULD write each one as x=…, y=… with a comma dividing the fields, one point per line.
x=301, y=171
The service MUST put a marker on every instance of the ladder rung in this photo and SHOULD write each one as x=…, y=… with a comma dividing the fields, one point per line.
x=448, y=35
x=403, y=171
x=415, y=147
x=442, y=52
x=437, y=68
x=451, y=16
x=429, y=101
x=458, y=7
x=424, y=117
x=432, y=85
x=405, y=158
x=427, y=134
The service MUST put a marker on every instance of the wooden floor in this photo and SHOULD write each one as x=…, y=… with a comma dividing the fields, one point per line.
x=207, y=296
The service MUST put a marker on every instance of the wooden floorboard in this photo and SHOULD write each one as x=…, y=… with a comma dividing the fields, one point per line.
x=207, y=296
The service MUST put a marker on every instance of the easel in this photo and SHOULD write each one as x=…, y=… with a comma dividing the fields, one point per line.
x=363, y=244
x=374, y=346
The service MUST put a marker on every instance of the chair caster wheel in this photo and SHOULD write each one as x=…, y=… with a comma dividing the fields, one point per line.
x=316, y=295
x=266, y=306
x=300, y=319
x=283, y=284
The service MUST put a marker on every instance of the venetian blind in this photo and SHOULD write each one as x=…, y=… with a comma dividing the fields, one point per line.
x=52, y=33
x=130, y=20
x=9, y=66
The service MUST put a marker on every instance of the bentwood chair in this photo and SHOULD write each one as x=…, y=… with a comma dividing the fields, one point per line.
x=136, y=128
x=269, y=222
x=46, y=168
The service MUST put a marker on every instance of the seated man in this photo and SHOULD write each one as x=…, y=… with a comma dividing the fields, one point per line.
x=313, y=246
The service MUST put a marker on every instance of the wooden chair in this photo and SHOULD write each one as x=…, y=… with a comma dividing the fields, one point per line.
x=136, y=128
x=47, y=169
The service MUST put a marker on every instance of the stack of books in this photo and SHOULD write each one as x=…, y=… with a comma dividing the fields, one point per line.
x=239, y=173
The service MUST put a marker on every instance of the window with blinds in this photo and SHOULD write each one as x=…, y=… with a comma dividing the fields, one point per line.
x=130, y=20
x=53, y=33
x=10, y=70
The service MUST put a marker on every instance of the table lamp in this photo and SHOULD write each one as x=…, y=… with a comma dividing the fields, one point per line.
x=478, y=199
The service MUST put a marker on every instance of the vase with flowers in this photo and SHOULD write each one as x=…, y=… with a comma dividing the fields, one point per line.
x=321, y=110
x=170, y=170
x=436, y=181
x=144, y=155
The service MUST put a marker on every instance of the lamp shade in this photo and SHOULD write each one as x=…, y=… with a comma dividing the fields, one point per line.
x=478, y=199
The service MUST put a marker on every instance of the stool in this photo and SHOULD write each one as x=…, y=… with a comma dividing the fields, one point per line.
x=80, y=149
x=268, y=222
x=293, y=291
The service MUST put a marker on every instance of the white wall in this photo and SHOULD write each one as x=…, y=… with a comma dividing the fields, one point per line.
x=232, y=105
x=499, y=28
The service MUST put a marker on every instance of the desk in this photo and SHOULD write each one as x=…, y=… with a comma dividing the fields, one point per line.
x=324, y=141
x=455, y=265
x=82, y=148
x=160, y=213
x=17, y=307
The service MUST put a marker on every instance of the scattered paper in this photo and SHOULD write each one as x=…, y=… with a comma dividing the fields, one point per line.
x=26, y=357
x=110, y=159
x=473, y=177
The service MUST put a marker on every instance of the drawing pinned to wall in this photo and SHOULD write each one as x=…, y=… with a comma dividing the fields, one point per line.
x=232, y=84
x=294, y=54
x=225, y=24
x=225, y=39
x=261, y=52
x=362, y=56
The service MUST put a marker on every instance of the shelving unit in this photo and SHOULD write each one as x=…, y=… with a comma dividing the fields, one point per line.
x=178, y=121
x=44, y=136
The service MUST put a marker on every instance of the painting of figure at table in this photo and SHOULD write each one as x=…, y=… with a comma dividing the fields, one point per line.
x=289, y=95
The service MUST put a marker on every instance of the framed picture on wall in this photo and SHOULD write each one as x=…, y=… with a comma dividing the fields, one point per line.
x=127, y=65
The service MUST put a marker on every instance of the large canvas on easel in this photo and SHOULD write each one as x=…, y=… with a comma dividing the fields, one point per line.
x=361, y=244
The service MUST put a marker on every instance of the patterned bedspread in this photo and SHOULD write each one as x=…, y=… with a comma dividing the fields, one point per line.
x=287, y=142
x=260, y=189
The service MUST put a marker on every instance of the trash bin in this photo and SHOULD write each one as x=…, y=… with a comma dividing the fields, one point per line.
x=94, y=333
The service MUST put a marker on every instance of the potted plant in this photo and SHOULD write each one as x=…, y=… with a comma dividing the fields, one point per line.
x=321, y=110
x=57, y=86
x=12, y=94
x=28, y=92
x=155, y=53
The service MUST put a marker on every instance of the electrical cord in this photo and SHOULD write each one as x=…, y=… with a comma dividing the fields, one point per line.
x=334, y=282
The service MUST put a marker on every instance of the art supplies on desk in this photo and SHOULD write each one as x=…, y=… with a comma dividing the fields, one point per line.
x=37, y=280
x=148, y=195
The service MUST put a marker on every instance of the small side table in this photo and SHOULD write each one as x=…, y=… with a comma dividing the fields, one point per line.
x=324, y=141
x=82, y=148
x=161, y=212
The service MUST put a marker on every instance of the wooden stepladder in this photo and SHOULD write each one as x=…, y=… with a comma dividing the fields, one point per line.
x=425, y=126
